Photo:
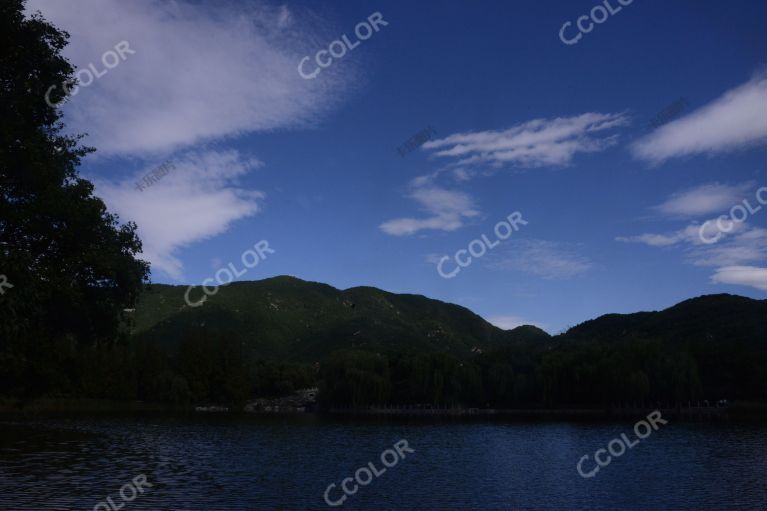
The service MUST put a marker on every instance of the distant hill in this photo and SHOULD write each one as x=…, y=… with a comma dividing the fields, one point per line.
x=364, y=345
x=713, y=319
x=287, y=318
x=710, y=347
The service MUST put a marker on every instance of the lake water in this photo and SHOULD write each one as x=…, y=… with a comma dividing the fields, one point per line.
x=287, y=463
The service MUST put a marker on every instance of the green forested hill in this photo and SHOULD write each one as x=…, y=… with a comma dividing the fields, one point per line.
x=364, y=345
x=290, y=319
x=712, y=319
x=710, y=347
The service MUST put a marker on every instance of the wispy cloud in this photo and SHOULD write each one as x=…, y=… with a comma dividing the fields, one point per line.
x=701, y=200
x=743, y=245
x=690, y=234
x=752, y=276
x=735, y=120
x=701, y=236
x=199, y=72
x=536, y=143
x=198, y=199
x=547, y=259
x=447, y=211
x=746, y=246
x=704, y=199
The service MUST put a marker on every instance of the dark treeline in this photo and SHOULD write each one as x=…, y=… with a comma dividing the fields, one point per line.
x=222, y=370
x=206, y=369
x=70, y=272
x=590, y=374
x=71, y=265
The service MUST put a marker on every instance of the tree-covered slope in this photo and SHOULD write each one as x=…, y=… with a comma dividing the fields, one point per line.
x=714, y=319
x=291, y=319
x=372, y=346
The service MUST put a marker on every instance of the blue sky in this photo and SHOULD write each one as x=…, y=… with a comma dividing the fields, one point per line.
x=524, y=122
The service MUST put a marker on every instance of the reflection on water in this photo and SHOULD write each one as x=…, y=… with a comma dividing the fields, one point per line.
x=274, y=463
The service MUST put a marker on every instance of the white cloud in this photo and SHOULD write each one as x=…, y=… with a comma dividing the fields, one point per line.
x=701, y=200
x=748, y=245
x=433, y=258
x=736, y=119
x=535, y=143
x=200, y=71
x=447, y=211
x=511, y=322
x=690, y=234
x=704, y=199
x=752, y=276
x=654, y=240
x=744, y=244
x=711, y=239
x=532, y=144
x=461, y=174
x=196, y=200
x=547, y=259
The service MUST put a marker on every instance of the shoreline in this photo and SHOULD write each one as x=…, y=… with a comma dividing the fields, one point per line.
x=96, y=407
x=541, y=413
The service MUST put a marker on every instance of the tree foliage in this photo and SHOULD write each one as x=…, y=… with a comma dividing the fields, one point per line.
x=72, y=265
x=74, y=271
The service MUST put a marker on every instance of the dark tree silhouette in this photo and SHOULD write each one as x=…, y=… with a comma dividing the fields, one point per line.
x=72, y=266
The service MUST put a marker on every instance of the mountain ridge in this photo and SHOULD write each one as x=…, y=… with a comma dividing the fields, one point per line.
x=306, y=320
x=365, y=345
